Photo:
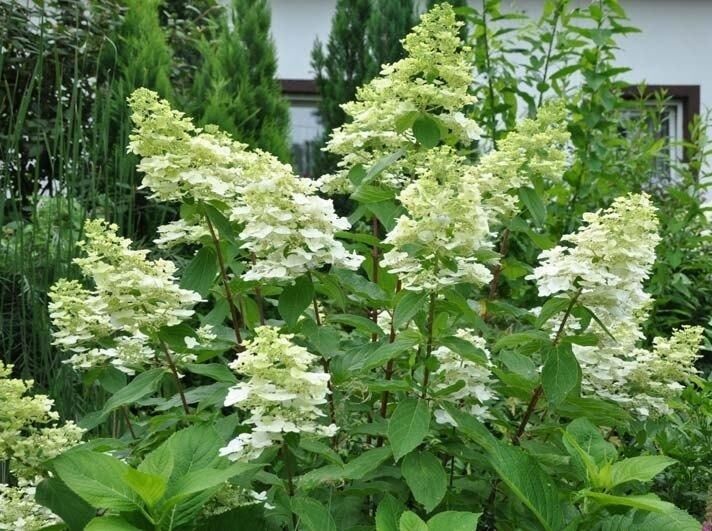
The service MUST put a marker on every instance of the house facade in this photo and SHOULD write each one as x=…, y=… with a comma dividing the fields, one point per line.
x=672, y=51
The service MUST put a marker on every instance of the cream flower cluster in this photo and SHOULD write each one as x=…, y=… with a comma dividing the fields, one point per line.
x=29, y=436
x=433, y=79
x=282, y=392
x=285, y=227
x=435, y=244
x=132, y=299
x=477, y=392
x=534, y=151
x=609, y=259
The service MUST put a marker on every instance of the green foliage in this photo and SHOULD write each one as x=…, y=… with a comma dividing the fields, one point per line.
x=236, y=87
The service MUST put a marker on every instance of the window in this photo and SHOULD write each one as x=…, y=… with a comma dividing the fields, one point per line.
x=304, y=121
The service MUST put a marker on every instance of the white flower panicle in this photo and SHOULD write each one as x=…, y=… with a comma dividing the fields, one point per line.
x=282, y=392
x=29, y=436
x=609, y=259
x=535, y=150
x=285, y=227
x=477, y=393
x=133, y=297
x=437, y=242
x=433, y=79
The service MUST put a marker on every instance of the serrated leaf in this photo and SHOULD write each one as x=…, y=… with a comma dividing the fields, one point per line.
x=313, y=516
x=454, y=521
x=409, y=521
x=636, y=520
x=388, y=514
x=408, y=426
x=295, y=299
x=409, y=304
x=426, y=131
x=425, y=477
x=647, y=502
x=201, y=272
x=110, y=523
x=150, y=487
x=560, y=375
x=639, y=468
x=65, y=503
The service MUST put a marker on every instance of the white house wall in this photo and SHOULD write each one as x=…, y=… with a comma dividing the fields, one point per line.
x=674, y=48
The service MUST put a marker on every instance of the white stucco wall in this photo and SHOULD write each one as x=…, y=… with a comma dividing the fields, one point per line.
x=674, y=48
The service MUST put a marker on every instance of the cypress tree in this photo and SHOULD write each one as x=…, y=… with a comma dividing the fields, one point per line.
x=236, y=87
x=340, y=69
x=389, y=22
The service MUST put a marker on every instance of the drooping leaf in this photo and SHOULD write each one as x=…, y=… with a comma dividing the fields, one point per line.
x=425, y=476
x=388, y=514
x=409, y=304
x=454, y=521
x=409, y=521
x=97, y=478
x=408, y=426
x=647, y=502
x=561, y=374
x=200, y=274
x=295, y=299
x=110, y=523
x=65, y=503
x=534, y=205
x=313, y=516
x=426, y=131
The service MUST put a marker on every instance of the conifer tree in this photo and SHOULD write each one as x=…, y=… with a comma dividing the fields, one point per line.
x=236, y=87
x=389, y=22
x=340, y=68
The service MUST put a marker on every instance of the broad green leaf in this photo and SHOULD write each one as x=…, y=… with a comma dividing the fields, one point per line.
x=143, y=385
x=235, y=519
x=387, y=212
x=325, y=339
x=534, y=205
x=150, y=487
x=365, y=463
x=408, y=426
x=110, y=523
x=97, y=478
x=464, y=348
x=215, y=371
x=409, y=304
x=535, y=339
x=519, y=471
x=454, y=521
x=295, y=299
x=553, y=306
x=584, y=462
x=589, y=438
x=409, y=521
x=640, y=468
x=638, y=520
x=425, y=476
x=207, y=478
x=561, y=374
x=360, y=323
x=200, y=274
x=368, y=193
x=65, y=503
x=220, y=223
x=383, y=163
x=387, y=351
x=388, y=514
x=647, y=502
x=313, y=516
x=361, y=286
x=426, y=131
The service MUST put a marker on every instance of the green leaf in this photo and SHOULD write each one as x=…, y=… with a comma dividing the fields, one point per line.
x=647, y=502
x=464, y=348
x=387, y=212
x=207, y=478
x=589, y=438
x=110, y=523
x=426, y=131
x=409, y=304
x=214, y=371
x=551, y=307
x=360, y=323
x=534, y=205
x=220, y=223
x=426, y=478
x=143, y=385
x=408, y=426
x=677, y=520
x=368, y=193
x=62, y=501
x=313, y=515
x=560, y=375
x=388, y=351
x=365, y=463
x=97, y=478
x=518, y=470
x=454, y=521
x=295, y=299
x=409, y=521
x=640, y=468
x=201, y=272
x=150, y=487
x=383, y=163
x=388, y=513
